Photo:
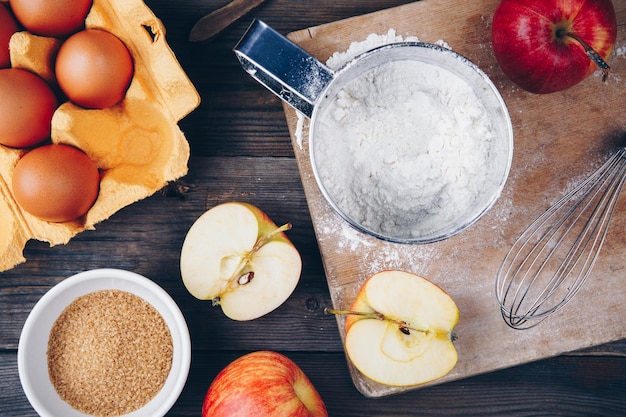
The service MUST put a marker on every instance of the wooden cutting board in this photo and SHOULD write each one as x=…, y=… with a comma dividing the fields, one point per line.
x=559, y=139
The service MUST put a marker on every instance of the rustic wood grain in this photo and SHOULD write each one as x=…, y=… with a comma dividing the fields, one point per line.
x=241, y=150
x=553, y=150
x=562, y=386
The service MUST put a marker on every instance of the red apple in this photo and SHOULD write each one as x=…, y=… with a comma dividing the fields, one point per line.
x=262, y=384
x=550, y=45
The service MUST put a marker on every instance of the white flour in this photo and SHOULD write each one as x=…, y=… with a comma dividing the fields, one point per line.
x=338, y=59
x=403, y=148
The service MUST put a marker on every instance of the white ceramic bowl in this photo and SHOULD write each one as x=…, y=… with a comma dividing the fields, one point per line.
x=32, y=351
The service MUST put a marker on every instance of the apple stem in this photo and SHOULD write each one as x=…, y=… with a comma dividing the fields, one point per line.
x=591, y=53
x=263, y=240
x=403, y=326
x=245, y=278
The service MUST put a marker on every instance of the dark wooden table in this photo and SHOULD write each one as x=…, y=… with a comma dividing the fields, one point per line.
x=241, y=150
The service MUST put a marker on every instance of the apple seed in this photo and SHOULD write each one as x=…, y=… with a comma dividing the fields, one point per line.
x=245, y=278
x=403, y=326
x=405, y=330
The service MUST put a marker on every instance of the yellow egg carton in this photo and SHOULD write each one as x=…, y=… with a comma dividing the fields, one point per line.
x=137, y=144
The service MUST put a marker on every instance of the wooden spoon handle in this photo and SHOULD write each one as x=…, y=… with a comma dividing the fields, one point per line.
x=213, y=23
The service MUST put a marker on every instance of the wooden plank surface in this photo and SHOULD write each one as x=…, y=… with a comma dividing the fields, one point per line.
x=559, y=139
x=241, y=150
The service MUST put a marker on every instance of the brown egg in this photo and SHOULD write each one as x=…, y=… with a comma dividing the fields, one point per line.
x=26, y=108
x=8, y=26
x=94, y=69
x=56, y=183
x=55, y=19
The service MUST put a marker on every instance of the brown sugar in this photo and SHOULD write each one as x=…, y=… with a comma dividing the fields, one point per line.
x=109, y=353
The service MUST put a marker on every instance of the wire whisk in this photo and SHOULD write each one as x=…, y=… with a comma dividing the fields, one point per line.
x=550, y=261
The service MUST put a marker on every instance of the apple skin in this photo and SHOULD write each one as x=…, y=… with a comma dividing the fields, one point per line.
x=533, y=56
x=385, y=354
x=217, y=245
x=262, y=384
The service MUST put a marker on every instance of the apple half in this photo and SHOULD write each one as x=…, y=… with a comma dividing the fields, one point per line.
x=236, y=256
x=399, y=329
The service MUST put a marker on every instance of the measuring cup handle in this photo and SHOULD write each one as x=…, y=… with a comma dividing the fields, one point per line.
x=282, y=66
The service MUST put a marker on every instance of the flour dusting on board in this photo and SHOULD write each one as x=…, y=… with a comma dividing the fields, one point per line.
x=620, y=53
x=338, y=59
x=386, y=255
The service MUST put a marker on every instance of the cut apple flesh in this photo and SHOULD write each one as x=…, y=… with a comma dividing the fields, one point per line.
x=400, y=346
x=276, y=271
x=410, y=343
x=213, y=248
x=398, y=359
x=234, y=255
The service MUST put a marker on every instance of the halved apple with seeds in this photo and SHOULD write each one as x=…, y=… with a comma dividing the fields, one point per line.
x=236, y=256
x=399, y=329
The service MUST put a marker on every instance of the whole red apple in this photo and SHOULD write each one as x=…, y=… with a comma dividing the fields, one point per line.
x=548, y=45
x=262, y=384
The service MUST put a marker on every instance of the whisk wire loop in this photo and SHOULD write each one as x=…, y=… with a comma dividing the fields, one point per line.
x=550, y=261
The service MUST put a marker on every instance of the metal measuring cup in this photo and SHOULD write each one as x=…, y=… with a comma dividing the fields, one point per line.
x=309, y=86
